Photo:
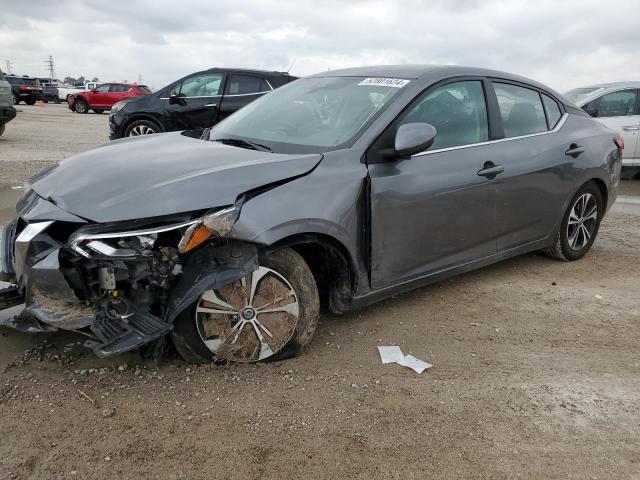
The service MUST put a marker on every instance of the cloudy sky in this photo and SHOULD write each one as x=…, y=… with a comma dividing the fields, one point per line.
x=564, y=43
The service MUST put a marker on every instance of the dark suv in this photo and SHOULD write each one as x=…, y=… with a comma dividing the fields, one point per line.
x=199, y=100
x=25, y=89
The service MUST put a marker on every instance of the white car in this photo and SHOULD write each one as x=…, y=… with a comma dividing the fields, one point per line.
x=617, y=105
x=65, y=90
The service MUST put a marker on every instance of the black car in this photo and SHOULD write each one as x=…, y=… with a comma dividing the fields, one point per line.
x=25, y=89
x=199, y=100
x=50, y=93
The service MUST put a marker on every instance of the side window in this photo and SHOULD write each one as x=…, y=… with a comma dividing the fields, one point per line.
x=615, y=104
x=244, y=84
x=457, y=110
x=205, y=85
x=102, y=89
x=521, y=110
x=118, y=88
x=552, y=109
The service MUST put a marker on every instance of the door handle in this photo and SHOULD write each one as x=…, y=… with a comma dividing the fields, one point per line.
x=490, y=170
x=574, y=150
x=631, y=128
x=211, y=105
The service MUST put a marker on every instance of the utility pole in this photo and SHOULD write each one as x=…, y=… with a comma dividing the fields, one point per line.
x=51, y=65
x=8, y=63
x=139, y=78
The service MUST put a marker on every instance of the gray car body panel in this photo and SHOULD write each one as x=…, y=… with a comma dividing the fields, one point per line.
x=401, y=224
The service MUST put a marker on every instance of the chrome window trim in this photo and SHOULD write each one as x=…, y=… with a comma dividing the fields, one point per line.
x=558, y=126
x=246, y=94
x=198, y=96
x=270, y=86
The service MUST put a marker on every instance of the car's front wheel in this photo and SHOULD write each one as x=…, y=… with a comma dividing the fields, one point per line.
x=15, y=99
x=141, y=127
x=580, y=224
x=81, y=106
x=98, y=110
x=270, y=314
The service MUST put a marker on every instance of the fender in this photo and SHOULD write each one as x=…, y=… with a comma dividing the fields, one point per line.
x=211, y=267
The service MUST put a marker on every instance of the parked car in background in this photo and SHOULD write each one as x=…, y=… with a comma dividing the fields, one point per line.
x=616, y=105
x=346, y=187
x=104, y=97
x=25, y=89
x=64, y=91
x=199, y=100
x=50, y=93
x=7, y=112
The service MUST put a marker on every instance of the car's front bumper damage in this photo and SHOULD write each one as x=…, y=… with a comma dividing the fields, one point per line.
x=123, y=289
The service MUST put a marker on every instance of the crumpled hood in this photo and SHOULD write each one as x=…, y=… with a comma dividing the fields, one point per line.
x=160, y=175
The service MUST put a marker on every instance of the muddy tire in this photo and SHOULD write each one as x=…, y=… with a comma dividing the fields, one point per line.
x=141, y=127
x=273, y=323
x=81, y=106
x=579, y=226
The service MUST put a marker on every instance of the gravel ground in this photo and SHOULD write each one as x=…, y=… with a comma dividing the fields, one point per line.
x=536, y=374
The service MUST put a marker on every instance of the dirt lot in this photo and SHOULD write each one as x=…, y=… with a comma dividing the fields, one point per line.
x=536, y=374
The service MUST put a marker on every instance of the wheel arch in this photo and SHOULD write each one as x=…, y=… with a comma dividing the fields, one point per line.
x=141, y=116
x=331, y=264
x=602, y=186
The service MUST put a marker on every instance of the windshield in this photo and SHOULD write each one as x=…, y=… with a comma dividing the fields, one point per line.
x=577, y=95
x=311, y=114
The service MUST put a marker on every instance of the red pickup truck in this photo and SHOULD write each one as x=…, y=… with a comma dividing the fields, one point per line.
x=103, y=97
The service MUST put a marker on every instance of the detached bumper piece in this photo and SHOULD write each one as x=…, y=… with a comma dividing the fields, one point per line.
x=10, y=297
x=120, y=335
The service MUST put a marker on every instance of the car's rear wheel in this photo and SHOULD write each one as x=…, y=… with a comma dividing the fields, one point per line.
x=141, y=127
x=98, y=110
x=81, y=106
x=580, y=224
x=15, y=99
x=271, y=314
x=30, y=102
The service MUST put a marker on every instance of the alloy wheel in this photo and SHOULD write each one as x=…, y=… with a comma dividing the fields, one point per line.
x=141, y=130
x=249, y=320
x=582, y=221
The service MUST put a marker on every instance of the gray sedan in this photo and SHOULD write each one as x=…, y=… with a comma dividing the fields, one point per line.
x=342, y=189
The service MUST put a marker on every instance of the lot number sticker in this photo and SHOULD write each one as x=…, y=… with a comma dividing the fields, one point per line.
x=385, y=82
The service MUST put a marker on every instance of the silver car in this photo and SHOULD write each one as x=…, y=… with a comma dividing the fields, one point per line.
x=342, y=189
x=616, y=105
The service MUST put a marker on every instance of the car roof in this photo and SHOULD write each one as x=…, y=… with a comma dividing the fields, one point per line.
x=433, y=73
x=613, y=85
x=247, y=70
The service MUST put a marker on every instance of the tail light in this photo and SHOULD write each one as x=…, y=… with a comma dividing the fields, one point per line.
x=24, y=87
x=619, y=141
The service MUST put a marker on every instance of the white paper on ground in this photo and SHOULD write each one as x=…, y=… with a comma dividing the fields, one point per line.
x=393, y=354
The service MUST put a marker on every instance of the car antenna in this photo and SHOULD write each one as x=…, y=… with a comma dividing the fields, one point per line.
x=292, y=64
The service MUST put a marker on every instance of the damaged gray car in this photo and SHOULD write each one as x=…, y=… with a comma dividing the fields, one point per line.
x=341, y=189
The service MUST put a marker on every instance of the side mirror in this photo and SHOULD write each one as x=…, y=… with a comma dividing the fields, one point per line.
x=177, y=98
x=593, y=112
x=412, y=138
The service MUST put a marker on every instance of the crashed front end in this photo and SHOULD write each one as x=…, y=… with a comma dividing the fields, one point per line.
x=120, y=283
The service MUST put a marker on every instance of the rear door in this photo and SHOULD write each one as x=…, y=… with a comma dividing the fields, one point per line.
x=532, y=189
x=116, y=93
x=620, y=111
x=195, y=102
x=241, y=90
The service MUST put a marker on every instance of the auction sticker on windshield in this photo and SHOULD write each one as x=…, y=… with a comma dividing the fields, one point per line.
x=385, y=82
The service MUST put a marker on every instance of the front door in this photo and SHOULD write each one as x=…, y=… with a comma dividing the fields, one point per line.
x=620, y=111
x=435, y=210
x=194, y=102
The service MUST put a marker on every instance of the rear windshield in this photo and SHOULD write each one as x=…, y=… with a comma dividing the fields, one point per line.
x=23, y=81
x=144, y=88
x=577, y=95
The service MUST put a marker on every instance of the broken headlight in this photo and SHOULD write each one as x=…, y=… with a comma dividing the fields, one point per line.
x=215, y=224
x=121, y=244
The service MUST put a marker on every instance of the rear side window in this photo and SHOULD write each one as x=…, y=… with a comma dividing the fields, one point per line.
x=457, y=110
x=552, y=109
x=245, y=85
x=521, y=110
x=615, y=104
x=118, y=88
